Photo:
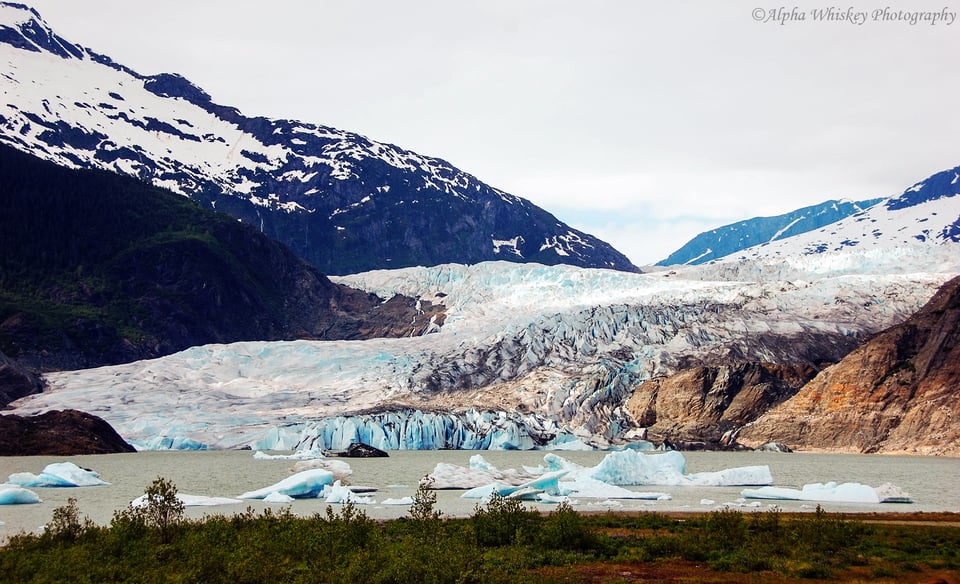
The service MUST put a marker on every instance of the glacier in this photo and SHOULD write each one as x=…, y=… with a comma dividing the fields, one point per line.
x=529, y=357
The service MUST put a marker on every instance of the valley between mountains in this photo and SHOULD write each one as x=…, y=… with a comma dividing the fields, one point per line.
x=166, y=266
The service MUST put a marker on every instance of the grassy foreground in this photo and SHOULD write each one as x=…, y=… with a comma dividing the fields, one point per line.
x=502, y=541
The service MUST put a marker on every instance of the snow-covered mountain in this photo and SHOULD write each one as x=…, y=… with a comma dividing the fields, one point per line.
x=926, y=215
x=529, y=355
x=343, y=202
x=735, y=237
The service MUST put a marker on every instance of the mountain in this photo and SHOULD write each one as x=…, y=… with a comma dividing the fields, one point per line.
x=341, y=201
x=99, y=268
x=898, y=392
x=927, y=214
x=735, y=237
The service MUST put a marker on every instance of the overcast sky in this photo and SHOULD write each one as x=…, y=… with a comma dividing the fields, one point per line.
x=641, y=122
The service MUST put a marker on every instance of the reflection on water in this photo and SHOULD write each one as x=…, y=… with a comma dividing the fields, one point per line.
x=930, y=481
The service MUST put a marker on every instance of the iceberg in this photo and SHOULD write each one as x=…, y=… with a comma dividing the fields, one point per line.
x=340, y=469
x=480, y=472
x=58, y=474
x=590, y=488
x=548, y=482
x=337, y=493
x=400, y=501
x=630, y=467
x=278, y=498
x=832, y=492
x=305, y=484
x=311, y=454
x=191, y=501
x=14, y=495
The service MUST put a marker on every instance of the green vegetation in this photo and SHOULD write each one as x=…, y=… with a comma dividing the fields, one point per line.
x=502, y=542
x=99, y=268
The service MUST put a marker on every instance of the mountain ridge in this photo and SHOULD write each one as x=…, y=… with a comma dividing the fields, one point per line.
x=341, y=201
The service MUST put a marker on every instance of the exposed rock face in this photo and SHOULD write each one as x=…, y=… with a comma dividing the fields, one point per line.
x=59, y=433
x=702, y=404
x=896, y=393
x=16, y=382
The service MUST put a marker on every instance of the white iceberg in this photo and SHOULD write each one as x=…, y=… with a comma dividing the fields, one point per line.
x=548, y=482
x=191, y=501
x=278, y=498
x=306, y=484
x=590, y=488
x=400, y=501
x=832, y=492
x=630, y=467
x=479, y=473
x=340, y=469
x=58, y=474
x=311, y=454
x=14, y=495
x=337, y=493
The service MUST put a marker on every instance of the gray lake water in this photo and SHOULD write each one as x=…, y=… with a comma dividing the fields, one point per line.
x=931, y=481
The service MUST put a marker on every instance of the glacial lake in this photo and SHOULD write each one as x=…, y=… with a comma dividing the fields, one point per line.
x=932, y=482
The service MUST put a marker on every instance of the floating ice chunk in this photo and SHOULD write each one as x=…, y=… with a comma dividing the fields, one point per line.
x=311, y=454
x=480, y=472
x=707, y=502
x=58, y=474
x=340, y=469
x=732, y=477
x=629, y=467
x=832, y=492
x=548, y=482
x=191, y=501
x=14, y=495
x=890, y=493
x=556, y=500
x=337, y=493
x=278, y=498
x=400, y=501
x=309, y=483
x=589, y=488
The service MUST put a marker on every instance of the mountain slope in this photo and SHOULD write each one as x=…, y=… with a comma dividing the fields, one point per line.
x=99, y=268
x=896, y=393
x=927, y=214
x=734, y=237
x=341, y=201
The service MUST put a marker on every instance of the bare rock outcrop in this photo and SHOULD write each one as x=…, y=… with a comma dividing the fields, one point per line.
x=703, y=403
x=898, y=392
x=16, y=382
x=59, y=433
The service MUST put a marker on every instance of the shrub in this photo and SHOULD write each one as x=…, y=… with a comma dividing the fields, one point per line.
x=65, y=524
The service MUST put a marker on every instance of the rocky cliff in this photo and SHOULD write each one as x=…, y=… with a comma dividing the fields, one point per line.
x=15, y=381
x=59, y=433
x=707, y=404
x=898, y=392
